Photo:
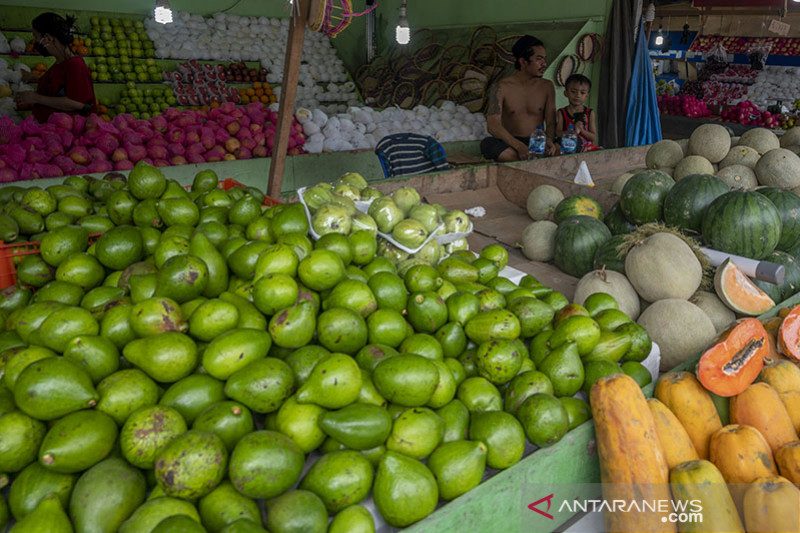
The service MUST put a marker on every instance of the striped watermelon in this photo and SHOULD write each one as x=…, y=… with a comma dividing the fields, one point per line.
x=577, y=204
x=577, y=240
x=642, y=197
x=686, y=203
x=788, y=205
x=617, y=222
x=791, y=281
x=608, y=257
x=742, y=223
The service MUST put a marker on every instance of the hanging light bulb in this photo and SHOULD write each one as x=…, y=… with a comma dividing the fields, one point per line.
x=162, y=12
x=660, y=36
x=402, y=33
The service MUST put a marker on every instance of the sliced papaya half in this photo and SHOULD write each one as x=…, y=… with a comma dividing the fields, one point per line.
x=735, y=360
x=789, y=335
x=736, y=291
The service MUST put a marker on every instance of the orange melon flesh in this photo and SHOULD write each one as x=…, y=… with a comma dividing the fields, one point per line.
x=735, y=360
x=736, y=291
x=789, y=335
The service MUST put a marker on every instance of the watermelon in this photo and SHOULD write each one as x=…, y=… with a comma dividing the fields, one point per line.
x=642, y=198
x=616, y=221
x=577, y=204
x=791, y=279
x=686, y=203
x=742, y=223
x=577, y=241
x=608, y=257
x=788, y=205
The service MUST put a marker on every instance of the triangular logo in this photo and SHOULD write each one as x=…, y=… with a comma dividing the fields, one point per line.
x=549, y=499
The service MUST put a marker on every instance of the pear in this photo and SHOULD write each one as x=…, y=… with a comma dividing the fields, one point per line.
x=334, y=383
x=458, y=467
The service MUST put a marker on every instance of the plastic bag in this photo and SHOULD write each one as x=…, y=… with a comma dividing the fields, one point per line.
x=716, y=54
x=583, y=176
x=757, y=54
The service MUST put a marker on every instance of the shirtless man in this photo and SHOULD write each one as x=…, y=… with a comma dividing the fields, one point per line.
x=520, y=103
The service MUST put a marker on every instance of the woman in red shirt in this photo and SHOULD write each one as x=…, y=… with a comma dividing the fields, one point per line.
x=67, y=85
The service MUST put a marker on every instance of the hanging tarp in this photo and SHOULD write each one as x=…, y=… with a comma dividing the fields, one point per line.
x=642, y=123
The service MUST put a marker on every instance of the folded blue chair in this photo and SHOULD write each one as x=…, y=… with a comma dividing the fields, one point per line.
x=407, y=154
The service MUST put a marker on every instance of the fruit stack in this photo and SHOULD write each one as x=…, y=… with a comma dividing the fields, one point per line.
x=118, y=37
x=730, y=421
x=259, y=92
x=366, y=375
x=200, y=84
x=241, y=73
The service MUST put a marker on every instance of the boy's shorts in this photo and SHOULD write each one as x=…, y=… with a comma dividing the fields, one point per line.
x=492, y=147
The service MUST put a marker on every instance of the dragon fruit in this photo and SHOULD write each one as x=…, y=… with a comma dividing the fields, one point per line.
x=123, y=164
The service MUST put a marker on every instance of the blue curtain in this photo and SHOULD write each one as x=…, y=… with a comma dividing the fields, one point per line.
x=642, y=125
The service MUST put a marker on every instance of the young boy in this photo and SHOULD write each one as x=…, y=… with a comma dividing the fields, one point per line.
x=577, y=89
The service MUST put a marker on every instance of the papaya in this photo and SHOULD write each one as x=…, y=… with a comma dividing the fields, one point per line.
x=692, y=405
x=699, y=483
x=742, y=455
x=735, y=359
x=784, y=377
x=789, y=335
x=761, y=407
x=678, y=447
x=772, y=504
x=633, y=464
x=787, y=457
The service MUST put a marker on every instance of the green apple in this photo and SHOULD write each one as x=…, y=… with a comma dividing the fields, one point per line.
x=102, y=68
x=124, y=59
x=155, y=77
x=119, y=77
x=106, y=35
x=150, y=62
x=171, y=100
x=112, y=61
x=125, y=100
x=99, y=51
x=148, y=92
x=143, y=107
x=139, y=25
x=163, y=106
x=93, y=75
x=130, y=76
x=95, y=21
x=103, y=76
x=133, y=36
x=143, y=76
x=126, y=68
x=153, y=70
x=137, y=52
x=128, y=23
x=109, y=43
x=136, y=114
x=104, y=101
x=87, y=42
x=146, y=116
x=120, y=108
x=94, y=34
x=155, y=107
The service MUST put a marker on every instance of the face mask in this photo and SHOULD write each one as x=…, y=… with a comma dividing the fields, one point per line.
x=42, y=49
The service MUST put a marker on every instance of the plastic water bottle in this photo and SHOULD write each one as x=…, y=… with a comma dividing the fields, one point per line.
x=536, y=144
x=569, y=141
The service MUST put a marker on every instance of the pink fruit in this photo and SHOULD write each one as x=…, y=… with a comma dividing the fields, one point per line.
x=99, y=166
x=175, y=135
x=47, y=171
x=161, y=163
x=64, y=163
x=80, y=155
x=180, y=160
x=157, y=153
x=78, y=124
x=232, y=144
x=233, y=127
x=123, y=164
x=207, y=141
x=192, y=137
x=159, y=123
x=145, y=132
x=195, y=158
x=53, y=146
x=107, y=143
x=176, y=149
x=243, y=153
x=260, y=138
x=97, y=154
x=195, y=148
x=38, y=157
x=119, y=155
x=7, y=175
x=244, y=133
x=136, y=152
x=221, y=136
x=249, y=143
x=148, y=160
x=158, y=141
x=260, y=151
x=129, y=136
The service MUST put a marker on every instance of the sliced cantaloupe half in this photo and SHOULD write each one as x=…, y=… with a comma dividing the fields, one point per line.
x=789, y=335
x=734, y=361
x=736, y=291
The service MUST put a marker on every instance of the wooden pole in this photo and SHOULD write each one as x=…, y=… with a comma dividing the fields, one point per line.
x=291, y=71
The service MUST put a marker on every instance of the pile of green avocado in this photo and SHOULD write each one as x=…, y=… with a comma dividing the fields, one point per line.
x=172, y=361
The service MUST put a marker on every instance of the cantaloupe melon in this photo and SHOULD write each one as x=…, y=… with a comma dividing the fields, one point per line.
x=734, y=141
x=542, y=201
x=620, y=181
x=761, y=139
x=664, y=154
x=538, y=240
x=738, y=177
x=740, y=155
x=795, y=149
x=663, y=266
x=790, y=137
x=711, y=141
x=681, y=329
x=692, y=164
x=779, y=168
x=609, y=282
x=740, y=294
x=717, y=311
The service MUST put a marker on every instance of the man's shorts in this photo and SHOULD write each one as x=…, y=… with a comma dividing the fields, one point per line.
x=492, y=147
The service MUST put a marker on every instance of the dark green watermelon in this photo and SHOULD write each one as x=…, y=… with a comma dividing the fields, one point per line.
x=742, y=223
x=686, y=203
x=791, y=280
x=642, y=198
x=608, y=257
x=577, y=240
x=616, y=221
x=788, y=205
x=577, y=204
